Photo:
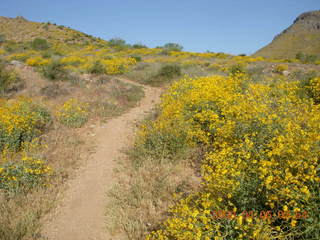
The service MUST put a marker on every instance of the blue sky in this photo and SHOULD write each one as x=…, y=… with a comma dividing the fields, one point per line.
x=231, y=26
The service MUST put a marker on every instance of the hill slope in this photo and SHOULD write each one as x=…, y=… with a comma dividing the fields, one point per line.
x=19, y=29
x=302, y=36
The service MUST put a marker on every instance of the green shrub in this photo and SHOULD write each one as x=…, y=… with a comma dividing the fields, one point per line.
x=12, y=46
x=170, y=71
x=306, y=58
x=2, y=38
x=173, y=47
x=54, y=71
x=102, y=79
x=118, y=43
x=97, y=68
x=311, y=59
x=237, y=68
x=164, y=74
x=139, y=45
x=300, y=56
x=47, y=54
x=136, y=57
x=304, y=78
x=314, y=89
x=39, y=44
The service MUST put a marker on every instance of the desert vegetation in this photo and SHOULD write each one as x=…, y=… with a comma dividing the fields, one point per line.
x=251, y=142
x=257, y=158
x=231, y=152
x=45, y=100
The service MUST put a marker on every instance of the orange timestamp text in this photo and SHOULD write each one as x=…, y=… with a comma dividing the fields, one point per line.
x=222, y=214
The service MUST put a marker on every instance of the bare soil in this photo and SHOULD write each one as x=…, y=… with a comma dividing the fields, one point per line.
x=81, y=212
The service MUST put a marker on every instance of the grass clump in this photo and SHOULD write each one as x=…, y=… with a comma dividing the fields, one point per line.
x=127, y=95
x=97, y=68
x=155, y=169
x=54, y=71
x=164, y=75
x=154, y=74
x=53, y=90
x=115, y=99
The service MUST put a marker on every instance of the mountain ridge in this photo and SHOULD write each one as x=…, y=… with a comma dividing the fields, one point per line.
x=303, y=36
x=20, y=29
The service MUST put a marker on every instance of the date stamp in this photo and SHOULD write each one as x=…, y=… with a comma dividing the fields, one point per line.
x=264, y=215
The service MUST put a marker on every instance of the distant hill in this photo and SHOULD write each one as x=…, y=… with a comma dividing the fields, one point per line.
x=19, y=29
x=303, y=36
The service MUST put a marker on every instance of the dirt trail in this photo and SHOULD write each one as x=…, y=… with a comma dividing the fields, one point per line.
x=81, y=214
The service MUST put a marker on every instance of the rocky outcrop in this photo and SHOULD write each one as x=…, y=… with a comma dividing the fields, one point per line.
x=302, y=36
x=310, y=19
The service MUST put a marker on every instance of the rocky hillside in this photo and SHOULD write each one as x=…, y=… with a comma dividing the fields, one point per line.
x=303, y=36
x=20, y=29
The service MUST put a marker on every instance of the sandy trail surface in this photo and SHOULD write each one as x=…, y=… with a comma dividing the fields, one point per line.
x=81, y=213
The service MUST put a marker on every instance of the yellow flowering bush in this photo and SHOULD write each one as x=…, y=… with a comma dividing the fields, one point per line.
x=21, y=56
x=118, y=65
x=140, y=51
x=263, y=147
x=37, y=61
x=111, y=66
x=8, y=79
x=19, y=172
x=315, y=89
x=72, y=60
x=280, y=68
x=21, y=121
x=73, y=113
